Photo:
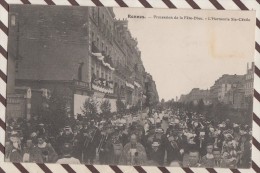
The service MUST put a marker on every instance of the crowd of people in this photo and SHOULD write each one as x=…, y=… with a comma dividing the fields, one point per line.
x=171, y=137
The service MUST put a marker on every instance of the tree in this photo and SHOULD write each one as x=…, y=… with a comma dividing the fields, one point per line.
x=89, y=108
x=162, y=103
x=200, y=106
x=57, y=108
x=105, y=107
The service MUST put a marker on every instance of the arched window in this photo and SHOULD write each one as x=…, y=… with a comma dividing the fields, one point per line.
x=80, y=71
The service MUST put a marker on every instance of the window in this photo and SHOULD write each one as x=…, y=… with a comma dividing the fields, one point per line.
x=80, y=71
x=93, y=12
x=102, y=46
x=13, y=20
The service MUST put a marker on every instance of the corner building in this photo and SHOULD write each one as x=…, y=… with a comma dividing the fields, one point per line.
x=84, y=52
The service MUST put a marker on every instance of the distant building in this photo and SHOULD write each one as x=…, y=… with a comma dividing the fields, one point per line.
x=195, y=96
x=151, y=91
x=223, y=85
x=235, y=97
x=249, y=81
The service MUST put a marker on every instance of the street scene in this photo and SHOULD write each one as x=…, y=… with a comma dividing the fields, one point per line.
x=87, y=85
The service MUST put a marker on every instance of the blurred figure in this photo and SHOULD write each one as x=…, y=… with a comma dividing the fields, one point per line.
x=133, y=153
x=67, y=158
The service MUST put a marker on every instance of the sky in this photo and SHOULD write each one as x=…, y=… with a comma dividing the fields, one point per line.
x=184, y=54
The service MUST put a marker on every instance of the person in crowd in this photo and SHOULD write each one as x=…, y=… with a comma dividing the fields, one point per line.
x=192, y=159
x=15, y=151
x=157, y=154
x=208, y=161
x=173, y=148
x=105, y=147
x=32, y=153
x=49, y=155
x=172, y=138
x=133, y=152
x=89, y=142
x=67, y=157
x=245, y=151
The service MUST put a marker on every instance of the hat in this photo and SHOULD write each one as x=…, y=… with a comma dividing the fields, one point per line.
x=34, y=134
x=155, y=144
x=171, y=123
x=176, y=121
x=242, y=132
x=235, y=125
x=159, y=130
x=228, y=136
x=14, y=136
x=67, y=128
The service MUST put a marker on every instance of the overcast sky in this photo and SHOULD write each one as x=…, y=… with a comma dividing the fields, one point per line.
x=185, y=54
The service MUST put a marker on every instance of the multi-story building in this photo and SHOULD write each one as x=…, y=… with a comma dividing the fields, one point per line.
x=223, y=85
x=150, y=91
x=85, y=51
x=249, y=81
x=235, y=97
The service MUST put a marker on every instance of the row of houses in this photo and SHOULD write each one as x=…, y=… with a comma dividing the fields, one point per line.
x=84, y=51
x=234, y=90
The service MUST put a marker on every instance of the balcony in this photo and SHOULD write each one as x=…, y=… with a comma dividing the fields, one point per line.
x=103, y=86
x=81, y=85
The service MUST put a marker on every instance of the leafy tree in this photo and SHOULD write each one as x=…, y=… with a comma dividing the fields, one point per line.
x=162, y=103
x=89, y=108
x=57, y=111
x=200, y=106
x=105, y=107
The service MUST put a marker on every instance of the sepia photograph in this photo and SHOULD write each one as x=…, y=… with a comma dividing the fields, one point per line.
x=130, y=86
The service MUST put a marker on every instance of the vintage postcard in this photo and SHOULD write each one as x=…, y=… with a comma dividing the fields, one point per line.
x=130, y=86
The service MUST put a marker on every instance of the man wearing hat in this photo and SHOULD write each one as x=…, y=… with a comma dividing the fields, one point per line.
x=66, y=137
x=90, y=137
x=173, y=148
x=66, y=155
x=105, y=146
x=157, y=153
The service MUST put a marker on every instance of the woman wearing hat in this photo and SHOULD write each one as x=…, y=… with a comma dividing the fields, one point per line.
x=15, y=153
x=157, y=154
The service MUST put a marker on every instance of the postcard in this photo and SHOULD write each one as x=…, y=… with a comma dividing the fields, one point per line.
x=130, y=86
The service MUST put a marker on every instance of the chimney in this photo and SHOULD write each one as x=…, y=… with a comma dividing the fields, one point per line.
x=253, y=65
x=247, y=66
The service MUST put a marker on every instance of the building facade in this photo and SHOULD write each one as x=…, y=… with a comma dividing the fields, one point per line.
x=85, y=51
x=249, y=81
x=223, y=85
